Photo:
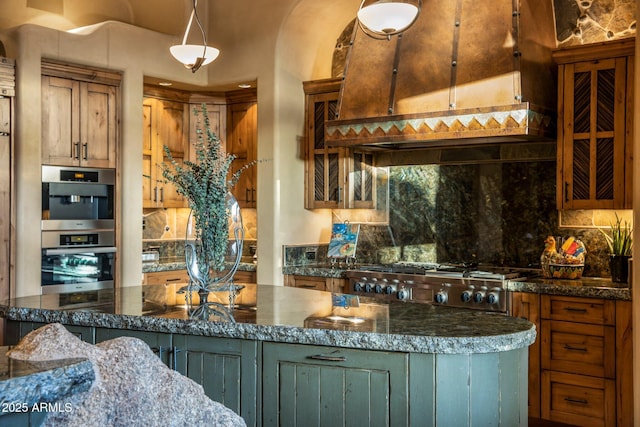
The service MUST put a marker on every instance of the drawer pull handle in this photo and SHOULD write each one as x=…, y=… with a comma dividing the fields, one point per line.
x=576, y=400
x=572, y=348
x=576, y=310
x=307, y=286
x=327, y=358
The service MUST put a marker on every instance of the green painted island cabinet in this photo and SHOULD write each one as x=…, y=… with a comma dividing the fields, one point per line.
x=307, y=385
x=286, y=384
x=226, y=368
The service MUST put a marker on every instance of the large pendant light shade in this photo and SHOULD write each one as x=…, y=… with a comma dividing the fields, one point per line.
x=190, y=54
x=383, y=18
x=194, y=56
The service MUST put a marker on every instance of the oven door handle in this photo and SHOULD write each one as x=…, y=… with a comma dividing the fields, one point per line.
x=81, y=250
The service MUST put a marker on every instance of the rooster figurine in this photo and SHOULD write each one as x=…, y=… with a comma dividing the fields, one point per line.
x=548, y=255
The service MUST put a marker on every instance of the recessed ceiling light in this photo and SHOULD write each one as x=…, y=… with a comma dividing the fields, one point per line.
x=165, y=83
x=244, y=85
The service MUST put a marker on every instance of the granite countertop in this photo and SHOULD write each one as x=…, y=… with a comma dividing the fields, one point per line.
x=179, y=263
x=291, y=315
x=590, y=287
x=24, y=384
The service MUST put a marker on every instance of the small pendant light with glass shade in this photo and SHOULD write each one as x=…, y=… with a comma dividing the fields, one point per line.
x=385, y=18
x=194, y=56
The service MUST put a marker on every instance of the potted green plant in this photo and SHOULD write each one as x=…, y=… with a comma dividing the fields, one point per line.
x=620, y=242
x=206, y=184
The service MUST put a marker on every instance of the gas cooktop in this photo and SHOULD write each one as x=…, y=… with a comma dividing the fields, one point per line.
x=449, y=270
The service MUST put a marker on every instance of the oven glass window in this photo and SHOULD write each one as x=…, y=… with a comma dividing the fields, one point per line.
x=84, y=267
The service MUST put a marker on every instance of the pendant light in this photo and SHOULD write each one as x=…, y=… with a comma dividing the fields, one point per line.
x=194, y=56
x=385, y=18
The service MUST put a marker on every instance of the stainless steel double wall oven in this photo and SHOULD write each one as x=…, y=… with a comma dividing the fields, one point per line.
x=78, y=229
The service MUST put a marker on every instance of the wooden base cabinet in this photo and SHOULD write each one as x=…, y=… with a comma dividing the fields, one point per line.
x=578, y=400
x=581, y=364
x=328, y=284
x=585, y=361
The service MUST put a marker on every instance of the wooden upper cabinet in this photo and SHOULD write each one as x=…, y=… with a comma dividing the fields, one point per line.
x=217, y=114
x=335, y=177
x=79, y=123
x=325, y=167
x=166, y=123
x=242, y=138
x=595, y=126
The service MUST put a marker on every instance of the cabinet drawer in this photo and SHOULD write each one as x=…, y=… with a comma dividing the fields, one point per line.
x=578, y=400
x=166, y=277
x=244, y=277
x=583, y=310
x=306, y=282
x=578, y=348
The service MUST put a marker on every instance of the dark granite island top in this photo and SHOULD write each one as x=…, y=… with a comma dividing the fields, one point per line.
x=288, y=315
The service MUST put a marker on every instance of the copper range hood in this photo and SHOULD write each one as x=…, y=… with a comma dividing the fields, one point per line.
x=466, y=73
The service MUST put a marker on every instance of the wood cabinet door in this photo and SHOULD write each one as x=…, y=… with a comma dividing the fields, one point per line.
x=98, y=125
x=6, y=211
x=60, y=119
x=325, y=167
x=226, y=368
x=172, y=129
x=527, y=306
x=150, y=182
x=79, y=123
x=361, y=180
x=578, y=400
x=217, y=114
x=592, y=141
x=307, y=385
x=242, y=143
x=166, y=123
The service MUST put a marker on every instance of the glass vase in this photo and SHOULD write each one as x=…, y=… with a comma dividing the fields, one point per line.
x=208, y=274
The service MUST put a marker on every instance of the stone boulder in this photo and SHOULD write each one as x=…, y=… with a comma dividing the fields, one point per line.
x=132, y=387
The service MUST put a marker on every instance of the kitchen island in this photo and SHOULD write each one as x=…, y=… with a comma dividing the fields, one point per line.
x=300, y=355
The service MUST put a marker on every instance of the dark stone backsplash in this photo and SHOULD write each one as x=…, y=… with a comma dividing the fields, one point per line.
x=496, y=213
